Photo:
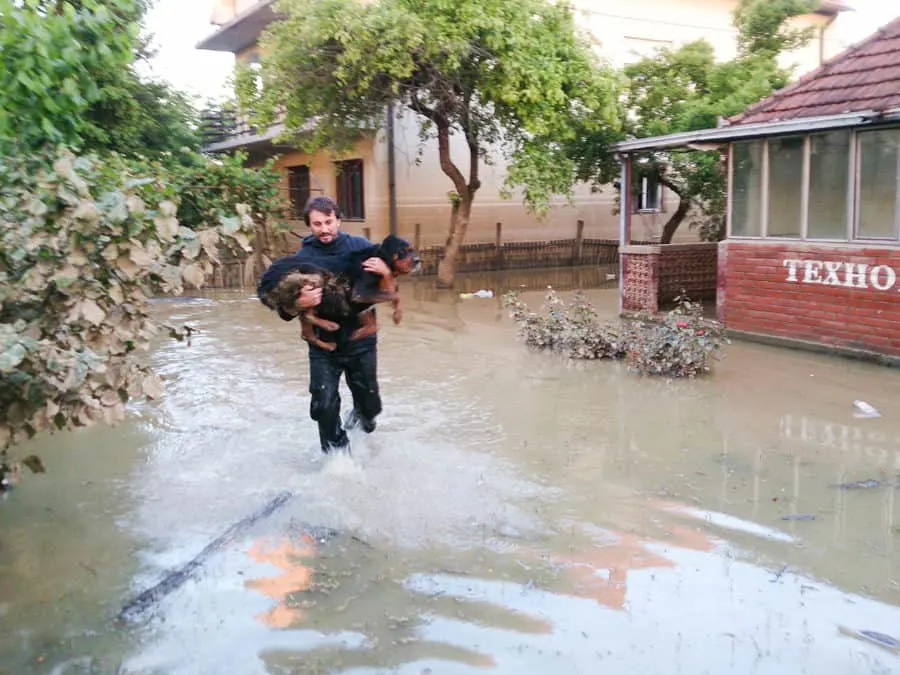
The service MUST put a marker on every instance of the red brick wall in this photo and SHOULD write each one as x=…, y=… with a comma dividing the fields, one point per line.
x=802, y=291
x=654, y=275
x=688, y=268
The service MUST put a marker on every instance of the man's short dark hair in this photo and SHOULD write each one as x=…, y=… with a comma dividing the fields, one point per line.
x=324, y=204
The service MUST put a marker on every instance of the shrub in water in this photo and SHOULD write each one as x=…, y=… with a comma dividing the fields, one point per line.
x=682, y=343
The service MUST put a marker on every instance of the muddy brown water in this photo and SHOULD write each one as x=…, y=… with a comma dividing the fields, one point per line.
x=514, y=513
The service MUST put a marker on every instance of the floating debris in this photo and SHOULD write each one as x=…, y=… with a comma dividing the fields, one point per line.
x=882, y=640
x=34, y=463
x=780, y=573
x=798, y=516
x=859, y=485
x=864, y=410
x=477, y=294
x=174, y=580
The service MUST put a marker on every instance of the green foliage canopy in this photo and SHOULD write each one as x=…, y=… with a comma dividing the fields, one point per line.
x=67, y=77
x=686, y=89
x=512, y=75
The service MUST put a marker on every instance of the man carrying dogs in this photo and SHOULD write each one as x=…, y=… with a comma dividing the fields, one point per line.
x=331, y=249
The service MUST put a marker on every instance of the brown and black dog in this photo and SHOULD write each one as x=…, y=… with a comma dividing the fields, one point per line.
x=355, y=293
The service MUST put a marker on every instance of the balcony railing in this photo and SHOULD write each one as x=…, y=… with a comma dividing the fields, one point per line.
x=224, y=124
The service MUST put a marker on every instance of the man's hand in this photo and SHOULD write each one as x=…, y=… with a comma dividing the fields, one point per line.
x=377, y=266
x=309, y=298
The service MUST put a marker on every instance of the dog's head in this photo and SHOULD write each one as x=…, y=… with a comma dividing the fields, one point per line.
x=284, y=294
x=400, y=255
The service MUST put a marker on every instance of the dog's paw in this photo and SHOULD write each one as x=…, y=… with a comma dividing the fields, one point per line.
x=398, y=316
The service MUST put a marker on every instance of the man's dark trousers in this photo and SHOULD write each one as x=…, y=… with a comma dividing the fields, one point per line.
x=360, y=370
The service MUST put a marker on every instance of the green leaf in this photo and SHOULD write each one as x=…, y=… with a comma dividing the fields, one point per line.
x=11, y=357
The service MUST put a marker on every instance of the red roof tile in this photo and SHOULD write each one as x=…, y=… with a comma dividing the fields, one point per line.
x=863, y=78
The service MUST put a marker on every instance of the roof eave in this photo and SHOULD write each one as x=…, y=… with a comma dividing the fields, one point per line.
x=242, y=31
x=833, y=7
x=266, y=138
x=728, y=134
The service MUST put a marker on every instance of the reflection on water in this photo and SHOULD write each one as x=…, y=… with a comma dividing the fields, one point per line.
x=294, y=577
x=513, y=513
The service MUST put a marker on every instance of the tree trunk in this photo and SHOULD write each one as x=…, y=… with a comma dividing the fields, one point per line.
x=677, y=218
x=684, y=206
x=459, y=224
x=465, y=190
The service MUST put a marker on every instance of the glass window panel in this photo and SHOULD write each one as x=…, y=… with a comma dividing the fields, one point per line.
x=785, y=186
x=746, y=202
x=829, y=185
x=879, y=156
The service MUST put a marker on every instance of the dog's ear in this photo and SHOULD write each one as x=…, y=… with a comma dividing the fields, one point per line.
x=395, y=246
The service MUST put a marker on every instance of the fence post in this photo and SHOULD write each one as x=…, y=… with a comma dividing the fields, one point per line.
x=417, y=241
x=367, y=233
x=498, y=244
x=578, y=249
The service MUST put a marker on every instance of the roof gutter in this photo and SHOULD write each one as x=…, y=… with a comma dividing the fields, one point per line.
x=760, y=129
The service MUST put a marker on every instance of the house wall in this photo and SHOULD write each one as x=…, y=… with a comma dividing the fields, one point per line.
x=226, y=10
x=245, y=55
x=835, y=295
x=323, y=181
x=627, y=32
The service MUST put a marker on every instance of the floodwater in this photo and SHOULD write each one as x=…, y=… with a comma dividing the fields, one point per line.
x=513, y=513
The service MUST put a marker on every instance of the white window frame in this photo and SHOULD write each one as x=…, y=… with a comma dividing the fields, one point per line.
x=856, y=144
x=853, y=191
x=645, y=192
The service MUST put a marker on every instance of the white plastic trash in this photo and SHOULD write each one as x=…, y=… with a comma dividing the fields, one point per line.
x=864, y=410
x=477, y=294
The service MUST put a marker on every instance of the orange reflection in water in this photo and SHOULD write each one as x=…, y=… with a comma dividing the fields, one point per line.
x=618, y=558
x=288, y=557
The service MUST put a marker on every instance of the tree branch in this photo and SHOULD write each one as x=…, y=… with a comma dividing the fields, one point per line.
x=443, y=127
x=472, y=141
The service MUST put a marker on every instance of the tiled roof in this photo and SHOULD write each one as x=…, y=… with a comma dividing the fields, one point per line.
x=863, y=78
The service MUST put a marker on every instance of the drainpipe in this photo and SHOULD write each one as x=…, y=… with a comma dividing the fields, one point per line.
x=392, y=171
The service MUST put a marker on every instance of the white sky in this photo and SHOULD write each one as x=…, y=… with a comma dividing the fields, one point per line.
x=179, y=24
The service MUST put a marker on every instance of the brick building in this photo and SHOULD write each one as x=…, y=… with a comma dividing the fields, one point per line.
x=812, y=254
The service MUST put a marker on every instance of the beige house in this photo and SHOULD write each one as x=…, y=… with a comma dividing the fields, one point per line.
x=382, y=173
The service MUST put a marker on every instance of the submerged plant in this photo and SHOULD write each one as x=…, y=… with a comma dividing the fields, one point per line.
x=682, y=343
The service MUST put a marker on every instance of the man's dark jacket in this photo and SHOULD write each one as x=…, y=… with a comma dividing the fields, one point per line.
x=335, y=257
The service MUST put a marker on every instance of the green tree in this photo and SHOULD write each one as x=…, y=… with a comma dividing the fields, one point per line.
x=685, y=89
x=505, y=74
x=87, y=237
x=67, y=77
x=84, y=241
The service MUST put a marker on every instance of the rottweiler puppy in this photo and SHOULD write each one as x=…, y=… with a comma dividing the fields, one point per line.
x=355, y=293
x=370, y=289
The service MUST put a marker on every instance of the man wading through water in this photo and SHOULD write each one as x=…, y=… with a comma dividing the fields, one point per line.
x=329, y=248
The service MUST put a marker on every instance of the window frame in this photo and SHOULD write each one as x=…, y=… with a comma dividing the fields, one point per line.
x=851, y=234
x=296, y=208
x=857, y=189
x=640, y=204
x=343, y=183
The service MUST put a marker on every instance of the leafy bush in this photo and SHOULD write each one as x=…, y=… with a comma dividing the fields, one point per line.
x=572, y=330
x=682, y=343
x=85, y=242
